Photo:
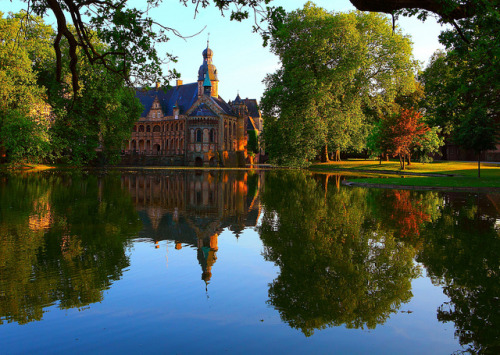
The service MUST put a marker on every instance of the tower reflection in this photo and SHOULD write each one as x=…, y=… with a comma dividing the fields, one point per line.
x=193, y=209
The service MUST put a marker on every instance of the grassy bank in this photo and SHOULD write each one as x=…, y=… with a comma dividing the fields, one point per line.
x=445, y=174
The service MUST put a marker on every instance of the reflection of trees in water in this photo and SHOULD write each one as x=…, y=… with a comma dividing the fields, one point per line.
x=336, y=266
x=62, y=239
x=461, y=251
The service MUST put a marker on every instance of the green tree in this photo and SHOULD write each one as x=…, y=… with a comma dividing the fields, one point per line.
x=466, y=92
x=24, y=123
x=331, y=65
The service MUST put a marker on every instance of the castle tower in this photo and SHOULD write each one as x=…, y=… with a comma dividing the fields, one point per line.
x=207, y=68
x=241, y=110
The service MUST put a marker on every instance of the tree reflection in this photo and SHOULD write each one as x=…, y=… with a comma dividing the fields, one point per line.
x=461, y=252
x=336, y=266
x=62, y=239
x=405, y=213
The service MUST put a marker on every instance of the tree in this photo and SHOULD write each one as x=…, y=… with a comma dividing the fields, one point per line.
x=466, y=100
x=448, y=10
x=42, y=118
x=24, y=120
x=130, y=34
x=331, y=64
x=399, y=134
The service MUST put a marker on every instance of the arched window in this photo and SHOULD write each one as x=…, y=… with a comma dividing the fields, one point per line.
x=156, y=128
x=141, y=128
x=198, y=135
x=212, y=136
x=148, y=128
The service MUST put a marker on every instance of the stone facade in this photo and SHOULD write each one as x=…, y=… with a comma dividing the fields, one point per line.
x=190, y=124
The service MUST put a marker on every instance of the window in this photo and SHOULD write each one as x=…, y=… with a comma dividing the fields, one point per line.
x=198, y=135
x=148, y=128
x=212, y=136
x=141, y=128
x=156, y=128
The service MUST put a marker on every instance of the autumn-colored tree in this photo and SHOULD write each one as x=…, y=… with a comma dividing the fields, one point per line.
x=402, y=132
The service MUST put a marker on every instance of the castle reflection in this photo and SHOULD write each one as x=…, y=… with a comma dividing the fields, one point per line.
x=193, y=209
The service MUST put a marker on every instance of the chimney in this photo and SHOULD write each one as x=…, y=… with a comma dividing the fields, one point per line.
x=178, y=82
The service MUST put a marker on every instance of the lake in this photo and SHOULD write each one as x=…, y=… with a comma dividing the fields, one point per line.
x=279, y=261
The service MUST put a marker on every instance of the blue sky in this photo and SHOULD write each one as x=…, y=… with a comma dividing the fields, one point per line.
x=241, y=61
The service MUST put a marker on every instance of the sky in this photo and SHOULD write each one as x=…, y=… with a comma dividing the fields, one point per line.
x=241, y=60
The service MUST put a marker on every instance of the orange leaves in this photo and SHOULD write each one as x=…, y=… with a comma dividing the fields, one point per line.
x=402, y=132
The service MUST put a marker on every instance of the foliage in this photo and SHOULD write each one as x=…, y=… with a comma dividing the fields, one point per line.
x=332, y=64
x=337, y=267
x=130, y=34
x=41, y=119
x=253, y=142
x=465, y=97
x=24, y=138
x=429, y=146
x=23, y=124
x=400, y=134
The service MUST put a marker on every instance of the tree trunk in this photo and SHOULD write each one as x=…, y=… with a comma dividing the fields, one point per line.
x=324, y=154
x=337, y=155
x=380, y=162
x=479, y=164
x=409, y=159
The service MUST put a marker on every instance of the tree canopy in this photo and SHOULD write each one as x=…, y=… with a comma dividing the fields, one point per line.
x=333, y=66
x=42, y=118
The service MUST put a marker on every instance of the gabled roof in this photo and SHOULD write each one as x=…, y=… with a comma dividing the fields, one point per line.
x=223, y=105
x=202, y=110
x=253, y=107
x=184, y=96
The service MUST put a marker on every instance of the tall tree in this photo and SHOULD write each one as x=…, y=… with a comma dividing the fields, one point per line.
x=24, y=119
x=466, y=92
x=331, y=64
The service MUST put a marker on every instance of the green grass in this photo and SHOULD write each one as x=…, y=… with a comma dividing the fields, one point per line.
x=465, y=174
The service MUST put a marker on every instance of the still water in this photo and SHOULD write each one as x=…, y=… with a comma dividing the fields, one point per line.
x=244, y=262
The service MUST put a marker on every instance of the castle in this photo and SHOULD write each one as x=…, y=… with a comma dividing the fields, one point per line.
x=190, y=124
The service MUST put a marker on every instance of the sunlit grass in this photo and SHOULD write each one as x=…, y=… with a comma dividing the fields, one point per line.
x=465, y=173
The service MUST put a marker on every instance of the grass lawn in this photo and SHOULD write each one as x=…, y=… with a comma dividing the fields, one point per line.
x=465, y=173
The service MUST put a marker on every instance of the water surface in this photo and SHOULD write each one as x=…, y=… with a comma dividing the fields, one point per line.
x=244, y=261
